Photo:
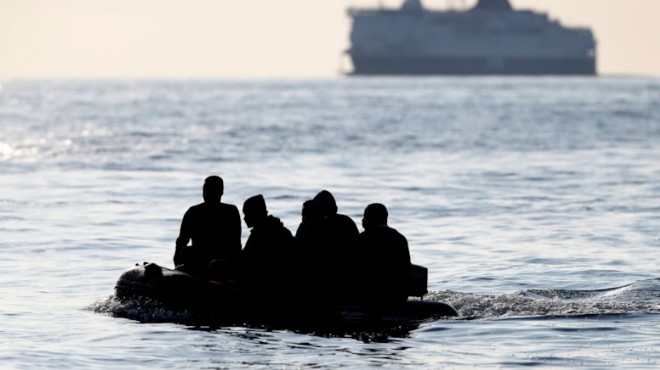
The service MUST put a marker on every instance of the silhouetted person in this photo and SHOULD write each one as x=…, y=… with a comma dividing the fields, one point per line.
x=326, y=245
x=381, y=263
x=338, y=229
x=266, y=258
x=214, y=228
x=308, y=228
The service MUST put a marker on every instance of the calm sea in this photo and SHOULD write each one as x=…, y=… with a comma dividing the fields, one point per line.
x=534, y=202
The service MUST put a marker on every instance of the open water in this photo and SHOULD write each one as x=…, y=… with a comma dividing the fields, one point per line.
x=534, y=202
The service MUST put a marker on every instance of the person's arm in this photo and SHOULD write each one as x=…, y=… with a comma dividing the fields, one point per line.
x=406, y=252
x=183, y=239
x=235, y=231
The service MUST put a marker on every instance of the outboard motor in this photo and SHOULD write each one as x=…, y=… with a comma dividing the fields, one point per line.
x=418, y=279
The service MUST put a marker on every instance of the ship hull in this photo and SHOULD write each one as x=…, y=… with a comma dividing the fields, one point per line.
x=369, y=65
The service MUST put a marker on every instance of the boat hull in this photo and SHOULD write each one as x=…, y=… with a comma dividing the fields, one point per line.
x=180, y=291
x=376, y=65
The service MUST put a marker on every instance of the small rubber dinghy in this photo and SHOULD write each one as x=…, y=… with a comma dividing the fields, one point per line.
x=225, y=301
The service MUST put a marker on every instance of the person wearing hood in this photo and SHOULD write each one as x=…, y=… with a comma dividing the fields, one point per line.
x=327, y=240
x=337, y=230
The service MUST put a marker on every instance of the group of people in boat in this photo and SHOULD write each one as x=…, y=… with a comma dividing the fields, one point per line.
x=327, y=259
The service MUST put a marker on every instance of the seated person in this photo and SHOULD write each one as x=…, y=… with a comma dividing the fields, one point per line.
x=214, y=228
x=381, y=263
x=266, y=258
x=326, y=244
x=309, y=224
x=338, y=227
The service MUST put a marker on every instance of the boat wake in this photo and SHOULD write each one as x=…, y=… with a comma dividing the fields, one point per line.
x=146, y=311
x=640, y=297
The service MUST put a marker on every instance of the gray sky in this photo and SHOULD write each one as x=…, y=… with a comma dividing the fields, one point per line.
x=258, y=38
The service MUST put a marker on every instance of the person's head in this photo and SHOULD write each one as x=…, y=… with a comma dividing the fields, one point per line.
x=309, y=212
x=254, y=210
x=374, y=215
x=325, y=204
x=213, y=189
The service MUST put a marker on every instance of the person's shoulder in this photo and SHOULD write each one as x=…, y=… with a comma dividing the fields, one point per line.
x=343, y=217
x=276, y=223
x=346, y=221
x=286, y=233
x=275, y=227
x=229, y=207
x=196, y=207
x=396, y=234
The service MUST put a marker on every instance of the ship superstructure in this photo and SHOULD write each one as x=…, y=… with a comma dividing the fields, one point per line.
x=490, y=38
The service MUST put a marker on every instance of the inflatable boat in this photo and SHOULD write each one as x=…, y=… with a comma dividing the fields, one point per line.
x=178, y=290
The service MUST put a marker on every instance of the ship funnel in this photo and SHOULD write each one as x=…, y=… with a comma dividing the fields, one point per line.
x=494, y=5
x=412, y=6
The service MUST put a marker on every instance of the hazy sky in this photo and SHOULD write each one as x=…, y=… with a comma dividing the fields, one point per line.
x=258, y=38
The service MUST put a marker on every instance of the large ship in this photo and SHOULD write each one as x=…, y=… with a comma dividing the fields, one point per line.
x=489, y=38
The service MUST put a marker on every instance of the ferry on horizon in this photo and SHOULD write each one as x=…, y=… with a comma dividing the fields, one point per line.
x=489, y=39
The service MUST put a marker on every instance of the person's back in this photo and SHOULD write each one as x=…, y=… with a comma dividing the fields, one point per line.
x=266, y=258
x=336, y=232
x=268, y=247
x=308, y=228
x=381, y=263
x=328, y=247
x=214, y=229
